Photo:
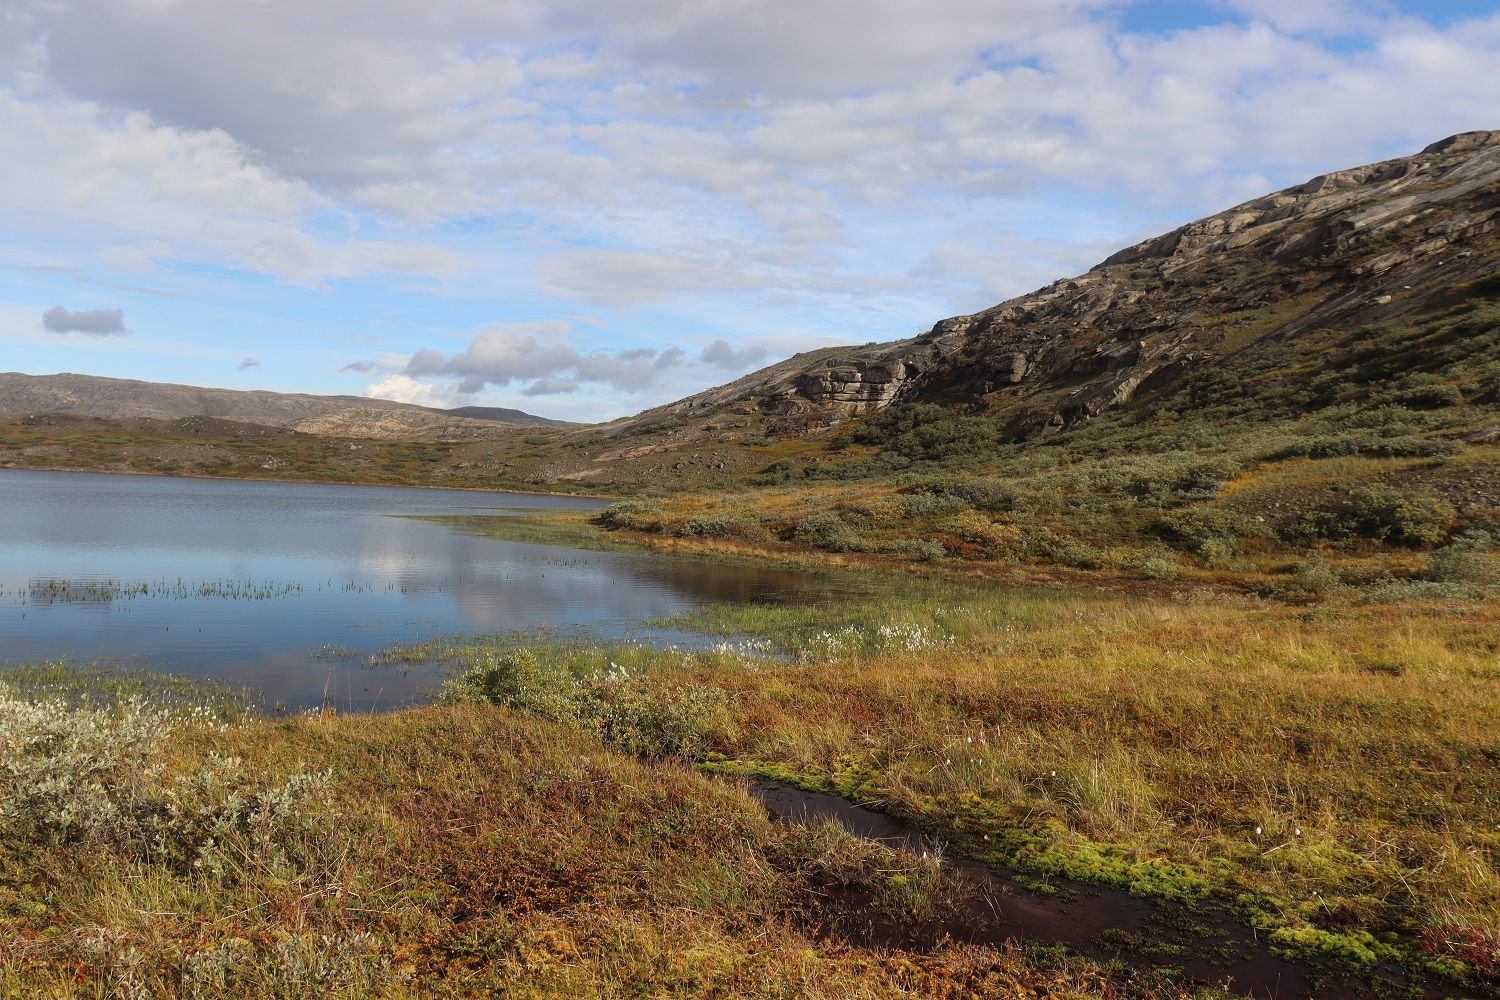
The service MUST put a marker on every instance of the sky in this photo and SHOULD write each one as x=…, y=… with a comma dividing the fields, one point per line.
x=585, y=208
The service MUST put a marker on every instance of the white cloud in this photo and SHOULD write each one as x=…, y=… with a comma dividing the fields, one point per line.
x=404, y=389
x=502, y=353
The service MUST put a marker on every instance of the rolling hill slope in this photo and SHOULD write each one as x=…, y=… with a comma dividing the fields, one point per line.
x=117, y=398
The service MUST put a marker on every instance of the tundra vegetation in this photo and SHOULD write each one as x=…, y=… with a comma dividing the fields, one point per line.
x=566, y=820
x=1236, y=651
x=494, y=845
x=1255, y=673
x=1367, y=461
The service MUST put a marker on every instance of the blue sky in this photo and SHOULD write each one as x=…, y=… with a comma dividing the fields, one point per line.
x=584, y=208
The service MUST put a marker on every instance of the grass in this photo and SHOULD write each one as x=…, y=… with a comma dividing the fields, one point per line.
x=83, y=685
x=1327, y=775
x=459, y=851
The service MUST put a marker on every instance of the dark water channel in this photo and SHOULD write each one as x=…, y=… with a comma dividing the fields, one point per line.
x=288, y=587
x=1207, y=946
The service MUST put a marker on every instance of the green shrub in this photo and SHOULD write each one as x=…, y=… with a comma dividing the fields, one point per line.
x=1392, y=420
x=688, y=720
x=827, y=531
x=1334, y=446
x=1465, y=560
x=1427, y=397
x=718, y=526
x=1415, y=447
x=929, y=505
x=1379, y=513
x=921, y=549
x=928, y=433
x=1208, y=532
x=778, y=472
x=1400, y=517
x=633, y=713
x=1309, y=579
x=979, y=492
x=1156, y=564
x=635, y=515
x=1066, y=550
x=517, y=680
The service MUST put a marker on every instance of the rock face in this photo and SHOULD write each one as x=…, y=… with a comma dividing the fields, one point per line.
x=860, y=381
x=1369, y=244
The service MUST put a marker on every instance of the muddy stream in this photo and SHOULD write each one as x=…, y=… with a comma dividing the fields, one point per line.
x=1207, y=945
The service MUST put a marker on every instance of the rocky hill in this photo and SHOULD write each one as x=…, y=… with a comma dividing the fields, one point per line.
x=1310, y=266
x=407, y=425
x=117, y=398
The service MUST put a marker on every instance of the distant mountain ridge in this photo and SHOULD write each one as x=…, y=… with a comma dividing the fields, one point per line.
x=117, y=398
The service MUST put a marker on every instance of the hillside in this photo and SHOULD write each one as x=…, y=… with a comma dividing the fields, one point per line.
x=1315, y=371
x=1303, y=268
x=118, y=398
x=406, y=425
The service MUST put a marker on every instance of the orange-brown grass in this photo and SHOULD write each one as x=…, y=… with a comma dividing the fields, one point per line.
x=1338, y=771
x=468, y=852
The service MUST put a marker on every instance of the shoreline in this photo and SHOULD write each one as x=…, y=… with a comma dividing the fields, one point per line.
x=310, y=482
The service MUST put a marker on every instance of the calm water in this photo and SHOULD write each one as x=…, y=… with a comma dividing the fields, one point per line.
x=252, y=581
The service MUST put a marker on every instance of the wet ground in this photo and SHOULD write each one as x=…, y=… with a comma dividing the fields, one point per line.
x=1206, y=945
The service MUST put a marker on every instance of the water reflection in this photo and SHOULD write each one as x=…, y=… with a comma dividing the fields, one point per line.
x=302, y=566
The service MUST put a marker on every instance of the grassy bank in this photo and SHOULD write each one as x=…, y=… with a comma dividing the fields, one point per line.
x=461, y=851
x=1327, y=775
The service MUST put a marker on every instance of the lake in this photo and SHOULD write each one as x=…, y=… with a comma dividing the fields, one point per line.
x=278, y=585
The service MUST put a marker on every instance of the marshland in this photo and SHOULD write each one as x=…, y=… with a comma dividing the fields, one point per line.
x=1237, y=785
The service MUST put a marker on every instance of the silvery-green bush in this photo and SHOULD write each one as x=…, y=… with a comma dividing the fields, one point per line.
x=84, y=776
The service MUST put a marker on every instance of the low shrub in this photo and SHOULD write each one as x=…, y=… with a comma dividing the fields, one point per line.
x=1415, y=447
x=777, y=473
x=1310, y=579
x=641, y=717
x=928, y=433
x=920, y=549
x=517, y=680
x=1156, y=564
x=636, y=515
x=1379, y=513
x=1207, y=532
x=648, y=720
x=929, y=505
x=1466, y=559
x=98, y=778
x=979, y=492
x=718, y=526
x=1426, y=397
x=827, y=531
